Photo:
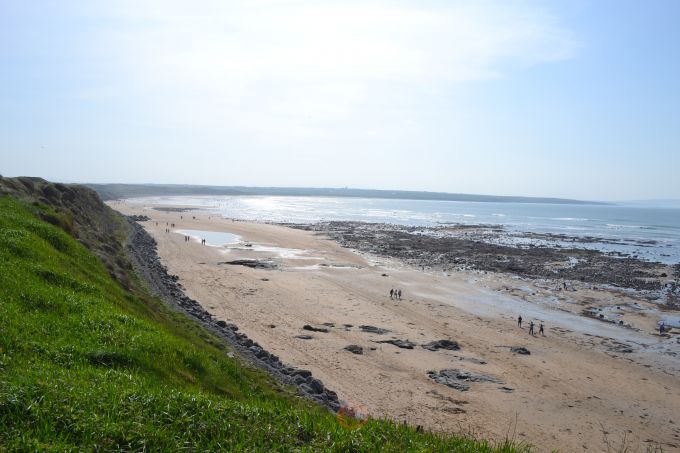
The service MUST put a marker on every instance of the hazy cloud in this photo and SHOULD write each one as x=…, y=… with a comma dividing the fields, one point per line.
x=297, y=66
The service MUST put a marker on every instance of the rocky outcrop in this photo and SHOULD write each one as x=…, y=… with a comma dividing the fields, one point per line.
x=442, y=344
x=253, y=264
x=459, y=379
x=460, y=247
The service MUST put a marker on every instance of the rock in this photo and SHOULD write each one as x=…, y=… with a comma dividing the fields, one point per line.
x=305, y=388
x=354, y=349
x=373, y=329
x=442, y=344
x=458, y=379
x=304, y=337
x=316, y=385
x=138, y=218
x=253, y=264
x=473, y=360
x=304, y=373
x=520, y=350
x=506, y=389
x=314, y=329
x=329, y=324
x=403, y=344
x=221, y=323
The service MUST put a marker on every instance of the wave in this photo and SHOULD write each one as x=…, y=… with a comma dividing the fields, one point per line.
x=617, y=226
x=570, y=219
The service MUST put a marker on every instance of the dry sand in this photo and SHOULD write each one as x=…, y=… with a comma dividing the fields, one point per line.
x=571, y=393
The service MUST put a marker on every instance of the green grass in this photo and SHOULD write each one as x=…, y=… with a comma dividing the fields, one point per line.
x=86, y=365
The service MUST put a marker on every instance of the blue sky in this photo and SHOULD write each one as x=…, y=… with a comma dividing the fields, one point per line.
x=574, y=99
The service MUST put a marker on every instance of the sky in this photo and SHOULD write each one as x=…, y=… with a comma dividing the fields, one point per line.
x=573, y=98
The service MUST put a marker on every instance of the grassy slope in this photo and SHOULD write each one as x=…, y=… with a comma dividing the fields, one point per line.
x=85, y=364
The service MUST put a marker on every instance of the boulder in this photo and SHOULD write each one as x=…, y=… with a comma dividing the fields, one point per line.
x=520, y=350
x=355, y=349
x=442, y=344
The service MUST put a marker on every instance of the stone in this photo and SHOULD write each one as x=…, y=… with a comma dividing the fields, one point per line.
x=373, y=329
x=403, y=344
x=520, y=350
x=442, y=344
x=316, y=385
x=304, y=373
x=459, y=379
x=314, y=329
x=354, y=349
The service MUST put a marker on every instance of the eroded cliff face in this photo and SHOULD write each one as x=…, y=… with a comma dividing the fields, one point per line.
x=79, y=211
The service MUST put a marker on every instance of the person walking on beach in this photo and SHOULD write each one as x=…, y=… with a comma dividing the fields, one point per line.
x=399, y=294
x=662, y=327
x=531, y=328
x=540, y=329
x=519, y=321
x=391, y=293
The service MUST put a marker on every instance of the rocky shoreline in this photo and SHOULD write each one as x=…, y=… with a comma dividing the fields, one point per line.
x=466, y=247
x=147, y=264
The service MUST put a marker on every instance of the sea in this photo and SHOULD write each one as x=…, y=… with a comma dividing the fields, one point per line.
x=641, y=230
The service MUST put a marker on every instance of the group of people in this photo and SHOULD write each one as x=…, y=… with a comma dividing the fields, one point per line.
x=188, y=238
x=167, y=230
x=541, y=329
x=395, y=294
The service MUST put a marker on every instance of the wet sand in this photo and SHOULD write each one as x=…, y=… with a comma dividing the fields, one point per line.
x=583, y=379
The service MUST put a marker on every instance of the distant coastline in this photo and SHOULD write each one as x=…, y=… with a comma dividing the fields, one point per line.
x=117, y=191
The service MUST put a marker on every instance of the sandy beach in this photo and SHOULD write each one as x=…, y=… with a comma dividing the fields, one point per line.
x=585, y=385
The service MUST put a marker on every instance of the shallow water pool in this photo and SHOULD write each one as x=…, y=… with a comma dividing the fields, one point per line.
x=213, y=238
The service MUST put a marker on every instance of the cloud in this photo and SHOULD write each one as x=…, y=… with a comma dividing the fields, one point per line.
x=298, y=66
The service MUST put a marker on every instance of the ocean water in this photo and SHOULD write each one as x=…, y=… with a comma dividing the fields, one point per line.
x=648, y=232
